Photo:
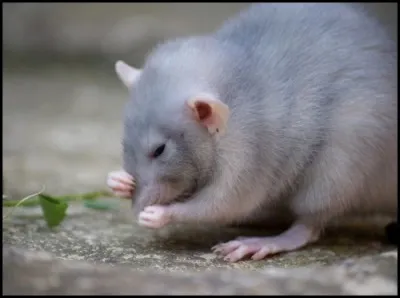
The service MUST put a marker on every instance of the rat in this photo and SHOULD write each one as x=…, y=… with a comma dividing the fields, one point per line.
x=287, y=110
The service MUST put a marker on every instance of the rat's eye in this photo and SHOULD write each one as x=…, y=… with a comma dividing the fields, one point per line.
x=158, y=151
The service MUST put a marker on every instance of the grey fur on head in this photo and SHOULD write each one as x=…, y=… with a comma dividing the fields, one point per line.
x=289, y=107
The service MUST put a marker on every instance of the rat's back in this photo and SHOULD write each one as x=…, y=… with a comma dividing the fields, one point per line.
x=303, y=26
x=285, y=42
x=321, y=85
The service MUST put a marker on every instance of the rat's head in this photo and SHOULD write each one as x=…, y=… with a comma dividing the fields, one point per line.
x=171, y=132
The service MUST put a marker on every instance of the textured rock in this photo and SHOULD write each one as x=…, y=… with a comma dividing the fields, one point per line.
x=106, y=252
x=113, y=237
x=25, y=272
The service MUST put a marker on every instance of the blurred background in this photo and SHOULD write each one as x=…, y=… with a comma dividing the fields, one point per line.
x=62, y=102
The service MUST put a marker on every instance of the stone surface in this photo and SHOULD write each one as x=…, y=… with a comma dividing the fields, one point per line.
x=106, y=252
x=25, y=272
x=114, y=237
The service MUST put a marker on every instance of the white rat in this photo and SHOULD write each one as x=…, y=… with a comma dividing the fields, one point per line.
x=289, y=107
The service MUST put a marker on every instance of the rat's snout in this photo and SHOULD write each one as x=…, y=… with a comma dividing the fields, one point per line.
x=153, y=193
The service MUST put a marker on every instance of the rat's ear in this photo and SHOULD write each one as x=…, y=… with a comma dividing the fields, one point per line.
x=210, y=112
x=126, y=73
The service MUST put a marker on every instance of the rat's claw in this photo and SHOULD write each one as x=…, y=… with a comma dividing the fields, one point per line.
x=236, y=250
x=154, y=217
x=258, y=248
x=122, y=177
x=121, y=183
x=240, y=252
x=118, y=185
x=265, y=251
x=226, y=248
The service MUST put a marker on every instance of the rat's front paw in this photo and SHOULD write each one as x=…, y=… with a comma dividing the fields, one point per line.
x=121, y=183
x=155, y=216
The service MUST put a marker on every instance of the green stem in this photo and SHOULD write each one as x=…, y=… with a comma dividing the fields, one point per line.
x=67, y=198
x=20, y=202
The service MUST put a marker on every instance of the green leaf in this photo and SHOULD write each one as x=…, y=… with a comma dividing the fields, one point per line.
x=94, y=204
x=54, y=211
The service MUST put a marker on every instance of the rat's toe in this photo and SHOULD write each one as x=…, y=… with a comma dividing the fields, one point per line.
x=226, y=248
x=265, y=251
x=119, y=186
x=241, y=252
x=154, y=217
x=121, y=177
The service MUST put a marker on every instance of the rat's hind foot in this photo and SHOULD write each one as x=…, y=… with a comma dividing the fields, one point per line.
x=121, y=183
x=260, y=247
